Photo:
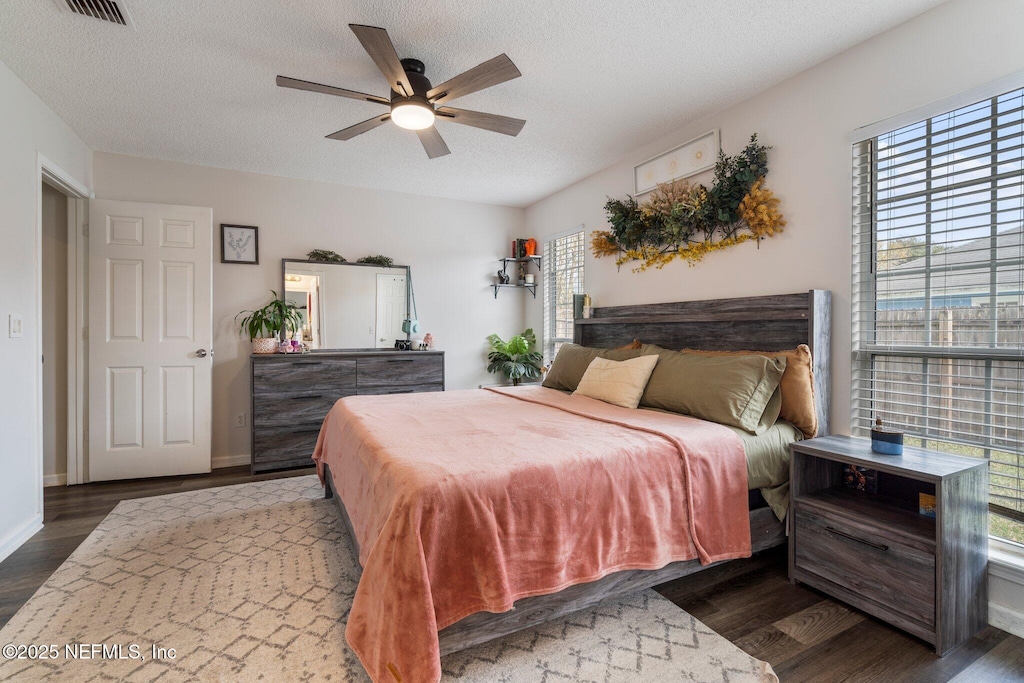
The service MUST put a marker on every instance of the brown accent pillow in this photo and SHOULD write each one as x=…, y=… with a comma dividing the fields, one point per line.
x=573, y=360
x=736, y=391
x=635, y=344
x=797, y=385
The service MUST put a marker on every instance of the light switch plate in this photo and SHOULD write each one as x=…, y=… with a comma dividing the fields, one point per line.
x=15, y=326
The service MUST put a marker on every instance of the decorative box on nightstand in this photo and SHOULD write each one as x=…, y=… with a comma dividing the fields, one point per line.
x=876, y=551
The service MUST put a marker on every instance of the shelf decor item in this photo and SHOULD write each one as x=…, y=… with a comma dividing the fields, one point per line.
x=325, y=256
x=239, y=244
x=531, y=247
x=516, y=359
x=680, y=220
x=886, y=441
x=378, y=260
x=265, y=325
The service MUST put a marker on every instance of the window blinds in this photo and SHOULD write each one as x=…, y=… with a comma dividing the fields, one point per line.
x=563, y=277
x=939, y=286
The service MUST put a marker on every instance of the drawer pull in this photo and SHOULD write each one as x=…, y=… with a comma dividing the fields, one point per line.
x=309, y=362
x=400, y=359
x=402, y=391
x=303, y=398
x=837, y=532
x=308, y=430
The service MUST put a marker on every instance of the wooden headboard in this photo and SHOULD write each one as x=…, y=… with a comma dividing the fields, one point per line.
x=761, y=323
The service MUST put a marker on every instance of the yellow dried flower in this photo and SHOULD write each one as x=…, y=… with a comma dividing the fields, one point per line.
x=759, y=210
x=601, y=244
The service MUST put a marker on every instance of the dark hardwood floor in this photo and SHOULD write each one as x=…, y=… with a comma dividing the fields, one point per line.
x=805, y=635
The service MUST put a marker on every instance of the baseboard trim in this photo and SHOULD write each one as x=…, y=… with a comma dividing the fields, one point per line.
x=1007, y=619
x=221, y=461
x=14, y=540
x=60, y=479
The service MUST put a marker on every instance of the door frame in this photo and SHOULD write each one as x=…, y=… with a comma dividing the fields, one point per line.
x=77, y=193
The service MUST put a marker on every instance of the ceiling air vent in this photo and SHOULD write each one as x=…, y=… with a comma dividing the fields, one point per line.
x=104, y=10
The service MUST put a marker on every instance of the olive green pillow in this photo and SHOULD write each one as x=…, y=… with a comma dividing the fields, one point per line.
x=742, y=391
x=573, y=360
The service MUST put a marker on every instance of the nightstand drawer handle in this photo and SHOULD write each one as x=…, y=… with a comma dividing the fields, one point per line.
x=837, y=532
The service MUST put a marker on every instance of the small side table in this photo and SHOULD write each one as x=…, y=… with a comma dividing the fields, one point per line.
x=875, y=551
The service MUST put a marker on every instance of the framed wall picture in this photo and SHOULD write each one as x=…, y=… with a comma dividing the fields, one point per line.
x=239, y=244
x=696, y=156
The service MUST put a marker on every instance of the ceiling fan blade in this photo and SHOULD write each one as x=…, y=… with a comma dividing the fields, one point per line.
x=382, y=51
x=491, y=72
x=286, y=82
x=478, y=119
x=359, y=128
x=432, y=142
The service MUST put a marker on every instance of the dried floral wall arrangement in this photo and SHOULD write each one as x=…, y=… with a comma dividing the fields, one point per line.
x=685, y=221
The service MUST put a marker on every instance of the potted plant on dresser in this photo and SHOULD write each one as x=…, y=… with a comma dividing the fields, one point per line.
x=516, y=359
x=265, y=325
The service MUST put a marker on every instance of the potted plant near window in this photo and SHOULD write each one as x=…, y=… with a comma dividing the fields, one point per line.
x=516, y=359
x=265, y=325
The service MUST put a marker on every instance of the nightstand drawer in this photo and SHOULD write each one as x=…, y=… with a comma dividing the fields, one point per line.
x=890, y=573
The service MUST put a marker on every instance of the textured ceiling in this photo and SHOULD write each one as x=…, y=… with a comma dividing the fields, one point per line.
x=194, y=81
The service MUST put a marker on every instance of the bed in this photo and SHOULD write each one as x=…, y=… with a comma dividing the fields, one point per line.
x=764, y=323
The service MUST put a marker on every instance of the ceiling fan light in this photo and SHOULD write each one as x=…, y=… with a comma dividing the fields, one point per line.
x=412, y=116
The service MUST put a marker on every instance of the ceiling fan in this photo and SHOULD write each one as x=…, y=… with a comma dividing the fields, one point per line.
x=415, y=104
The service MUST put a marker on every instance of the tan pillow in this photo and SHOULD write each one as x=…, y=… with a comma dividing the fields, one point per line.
x=573, y=360
x=730, y=390
x=620, y=382
x=797, y=385
x=635, y=344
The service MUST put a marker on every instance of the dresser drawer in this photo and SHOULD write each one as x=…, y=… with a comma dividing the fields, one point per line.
x=401, y=389
x=279, y=447
x=867, y=561
x=307, y=373
x=406, y=369
x=294, y=407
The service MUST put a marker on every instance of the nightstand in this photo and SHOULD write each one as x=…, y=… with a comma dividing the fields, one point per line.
x=876, y=552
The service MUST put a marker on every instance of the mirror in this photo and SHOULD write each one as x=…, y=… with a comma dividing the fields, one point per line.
x=348, y=305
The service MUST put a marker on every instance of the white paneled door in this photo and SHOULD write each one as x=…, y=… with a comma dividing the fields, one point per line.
x=390, y=309
x=149, y=336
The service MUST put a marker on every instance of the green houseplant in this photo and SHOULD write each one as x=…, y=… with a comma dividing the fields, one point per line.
x=516, y=359
x=265, y=325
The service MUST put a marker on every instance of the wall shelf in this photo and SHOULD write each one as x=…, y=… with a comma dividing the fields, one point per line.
x=536, y=260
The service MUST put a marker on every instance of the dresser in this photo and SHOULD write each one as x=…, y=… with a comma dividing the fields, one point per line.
x=291, y=394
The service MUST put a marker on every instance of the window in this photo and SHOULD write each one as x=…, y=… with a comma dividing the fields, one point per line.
x=563, y=277
x=939, y=290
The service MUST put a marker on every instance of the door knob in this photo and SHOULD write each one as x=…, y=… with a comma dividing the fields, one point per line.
x=201, y=353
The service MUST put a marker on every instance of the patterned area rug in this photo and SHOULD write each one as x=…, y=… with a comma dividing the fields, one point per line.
x=254, y=582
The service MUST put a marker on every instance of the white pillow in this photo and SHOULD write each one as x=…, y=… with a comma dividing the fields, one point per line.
x=620, y=382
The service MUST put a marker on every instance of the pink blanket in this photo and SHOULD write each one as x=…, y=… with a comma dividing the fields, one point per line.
x=467, y=501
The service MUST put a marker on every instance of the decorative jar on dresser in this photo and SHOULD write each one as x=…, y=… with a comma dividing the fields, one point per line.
x=291, y=394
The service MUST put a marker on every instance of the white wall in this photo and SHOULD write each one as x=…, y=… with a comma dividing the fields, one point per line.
x=54, y=329
x=808, y=120
x=452, y=247
x=29, y=127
